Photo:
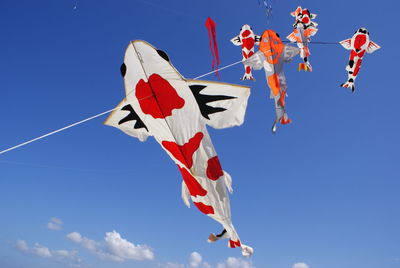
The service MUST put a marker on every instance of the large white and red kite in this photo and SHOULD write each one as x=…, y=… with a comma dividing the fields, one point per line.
x=161, y=103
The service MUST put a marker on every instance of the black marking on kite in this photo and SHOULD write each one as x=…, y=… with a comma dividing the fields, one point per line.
x=351, y=63
x=132, y=116
x=221, y=234
x=123, y=69
x=163, y=55
x=202, y=101
x=351, y=80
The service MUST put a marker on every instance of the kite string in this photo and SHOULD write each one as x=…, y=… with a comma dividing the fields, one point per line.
x=106, y=112
x=97, y=115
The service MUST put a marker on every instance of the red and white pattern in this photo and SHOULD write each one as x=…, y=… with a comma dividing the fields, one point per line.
x=166, y=107
x=248, y=40
x=358, y=44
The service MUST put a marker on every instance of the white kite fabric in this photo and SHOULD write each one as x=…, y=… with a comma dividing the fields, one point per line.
x=161, y=103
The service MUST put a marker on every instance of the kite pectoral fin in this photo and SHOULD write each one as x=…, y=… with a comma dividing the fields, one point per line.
x=372, y=47
x=236, y=40
x=346, y=44
x=185, y=194
x=214, y=238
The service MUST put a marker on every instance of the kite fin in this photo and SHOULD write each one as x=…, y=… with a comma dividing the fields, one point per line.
x=247, y=251
x=305, y=67
x=228, y=181
x=372, y=47
x=213, y=237
x=236, y=40
x=257, y=39
x=248, y=77
x=349, y=85
x=346, y=44
x=185, y=194
x=222, y=105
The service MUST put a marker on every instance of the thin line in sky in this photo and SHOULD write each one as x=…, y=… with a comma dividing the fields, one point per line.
x=97, y=115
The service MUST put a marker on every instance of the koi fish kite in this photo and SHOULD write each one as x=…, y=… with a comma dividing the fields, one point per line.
x=247, y=39
x=161, y=103
x=271, y=56
x=212, y=39
x=304, y=28
x=268, y=7
x=358, y=44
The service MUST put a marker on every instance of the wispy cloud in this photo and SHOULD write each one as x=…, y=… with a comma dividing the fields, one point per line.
x=46, y=253
x=232, y=262
x=196, y=261
x=55, y=224
x=300, y=265
x=114, y=247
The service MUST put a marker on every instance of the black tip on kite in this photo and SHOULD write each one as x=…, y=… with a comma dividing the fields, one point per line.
x=163, y=55
x=123, y=69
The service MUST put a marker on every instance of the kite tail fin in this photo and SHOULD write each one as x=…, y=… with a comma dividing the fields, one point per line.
x=305, y=67
x=247, y=251
x=247, y=76
x=350, y=85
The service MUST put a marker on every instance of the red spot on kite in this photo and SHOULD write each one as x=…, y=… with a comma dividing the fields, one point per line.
x=214, y=169
x=184, y=153
x=234, y=244
x=193, y=185
x=204, y=208
x=248, y=43
x=359, y=41
x=157, y=97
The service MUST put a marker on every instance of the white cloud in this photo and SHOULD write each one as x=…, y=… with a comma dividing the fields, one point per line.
x=46, y=253
x=195, y=260
x=232, y=262
x=173, y=265
x=55, y=224
x=300, y=265
x=114, y=247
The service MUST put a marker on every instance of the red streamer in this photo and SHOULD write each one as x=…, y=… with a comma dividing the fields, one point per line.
x=212, y=38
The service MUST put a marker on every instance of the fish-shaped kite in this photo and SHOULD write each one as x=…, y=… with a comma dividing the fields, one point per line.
x=272, y=56
x=248, y=40
x=304, y=28
x=358, y=44
x=161, y=103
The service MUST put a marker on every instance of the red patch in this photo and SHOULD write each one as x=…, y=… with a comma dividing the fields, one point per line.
x=204, y=208
x=192, y=184
x=214, y=169
x=359, y=41
x=248, y=43
x=184, y=153
x=248, y=69
x=234, y=244
x=157, y=97
x=246, y=33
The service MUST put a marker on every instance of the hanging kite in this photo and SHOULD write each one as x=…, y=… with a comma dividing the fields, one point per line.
x=358, y=44
x=212, y=39
x=161, y=103
x=304, y=28
x=271, y=56
x=247, y=39
x=268, y=7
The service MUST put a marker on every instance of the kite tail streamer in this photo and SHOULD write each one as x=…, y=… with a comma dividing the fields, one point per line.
x=212, y=38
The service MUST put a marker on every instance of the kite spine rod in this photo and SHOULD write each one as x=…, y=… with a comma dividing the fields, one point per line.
x=97, y=115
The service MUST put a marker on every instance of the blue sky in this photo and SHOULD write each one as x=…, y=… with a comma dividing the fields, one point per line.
x=323, y=191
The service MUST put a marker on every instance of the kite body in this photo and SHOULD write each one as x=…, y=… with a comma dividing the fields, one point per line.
x=161, y=103
x=247, y=40
x=358, y=45
x=273, y=54
x=304, y=28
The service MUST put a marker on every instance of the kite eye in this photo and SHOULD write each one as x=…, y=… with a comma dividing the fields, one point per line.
x=123, y=69
x=163, y=55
